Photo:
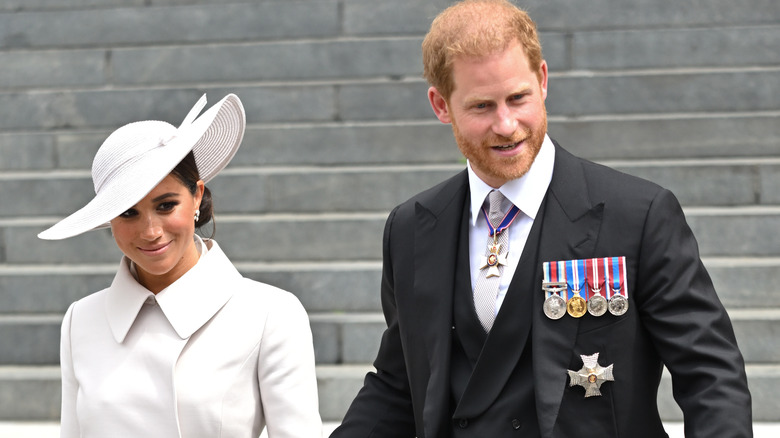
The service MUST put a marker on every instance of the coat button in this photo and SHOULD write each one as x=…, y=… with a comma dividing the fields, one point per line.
x=463, y=423
x=516, y=424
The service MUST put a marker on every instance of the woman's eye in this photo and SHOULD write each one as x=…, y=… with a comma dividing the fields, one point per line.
x=167, y=206
x=129, y=213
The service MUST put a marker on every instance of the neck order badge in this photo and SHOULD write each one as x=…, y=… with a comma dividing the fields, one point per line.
x=495, y=259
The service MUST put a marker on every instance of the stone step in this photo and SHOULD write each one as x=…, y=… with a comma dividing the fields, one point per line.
x=575, y=94
x=119, y=57
x=412, y=16
x=345, y=338
x=673, y=136
x=33, y=393
x=51, y=429
x=320, y=237
x=310, y=189
x=334, y=286
x=123, y=23
x=321, y=287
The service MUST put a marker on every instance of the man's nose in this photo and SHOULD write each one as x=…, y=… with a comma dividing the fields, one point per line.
x=505, y=124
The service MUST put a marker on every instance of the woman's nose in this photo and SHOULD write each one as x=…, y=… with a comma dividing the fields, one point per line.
x=151, y=228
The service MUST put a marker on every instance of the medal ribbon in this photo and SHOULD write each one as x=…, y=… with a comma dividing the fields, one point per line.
x=505, y=222
x=592, y=266
x=619, y=275
x=546, y=268
x=561, y=268
x=582, y=278
x=605, y=264
x=617, y=282
x=552, y=271
x=575, y=271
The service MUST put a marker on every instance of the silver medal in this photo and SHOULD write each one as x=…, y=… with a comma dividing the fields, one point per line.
x=597, y=304
x=618, y=304
x=554, y=306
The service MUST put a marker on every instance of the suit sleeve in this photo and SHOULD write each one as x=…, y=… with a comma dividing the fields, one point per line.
x=383, y=405
x=69, y=425
x=690, y=327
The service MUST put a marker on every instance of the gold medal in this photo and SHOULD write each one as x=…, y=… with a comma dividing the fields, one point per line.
x=576, y=305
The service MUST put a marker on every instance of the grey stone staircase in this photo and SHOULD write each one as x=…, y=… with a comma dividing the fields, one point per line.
x=340, y=131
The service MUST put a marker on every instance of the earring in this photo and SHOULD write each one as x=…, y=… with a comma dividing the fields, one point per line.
x=197, y=215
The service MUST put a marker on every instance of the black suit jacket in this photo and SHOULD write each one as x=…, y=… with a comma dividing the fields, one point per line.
x=674, y=319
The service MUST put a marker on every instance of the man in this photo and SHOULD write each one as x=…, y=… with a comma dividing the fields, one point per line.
x=556, y=321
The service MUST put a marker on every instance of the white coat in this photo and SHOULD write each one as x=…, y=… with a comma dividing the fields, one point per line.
x=213, y=355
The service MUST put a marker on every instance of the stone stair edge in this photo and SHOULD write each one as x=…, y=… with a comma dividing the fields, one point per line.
x=325, y=370
x=372, y=317
x=255, y=218
x=362, y=169
x=332, y=265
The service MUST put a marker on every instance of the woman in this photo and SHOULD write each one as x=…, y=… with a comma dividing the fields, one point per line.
x=180, y=344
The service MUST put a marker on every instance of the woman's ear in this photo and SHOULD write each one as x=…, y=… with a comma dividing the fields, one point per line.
x=201, y=187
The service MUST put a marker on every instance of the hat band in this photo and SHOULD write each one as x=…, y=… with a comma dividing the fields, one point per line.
x=117, y=167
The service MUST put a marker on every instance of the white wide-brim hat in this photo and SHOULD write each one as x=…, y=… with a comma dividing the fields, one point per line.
x=136, y=157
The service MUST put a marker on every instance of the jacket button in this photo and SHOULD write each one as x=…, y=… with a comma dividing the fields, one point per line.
x=463, y=423
x=516, y=424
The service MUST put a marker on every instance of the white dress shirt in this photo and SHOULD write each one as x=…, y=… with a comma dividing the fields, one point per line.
x=527, y=193
x=212, y=355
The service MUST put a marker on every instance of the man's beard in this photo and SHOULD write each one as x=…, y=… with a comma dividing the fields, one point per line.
x=508, y=168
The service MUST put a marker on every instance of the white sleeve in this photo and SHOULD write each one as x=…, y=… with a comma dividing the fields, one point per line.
x=69, y=425
x=286, y=372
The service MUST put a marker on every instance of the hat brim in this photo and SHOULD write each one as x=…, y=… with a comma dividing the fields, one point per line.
x=213, y=138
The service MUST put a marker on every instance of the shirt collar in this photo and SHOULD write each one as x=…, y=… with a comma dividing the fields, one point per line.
x=188, y=303
x=526, y=192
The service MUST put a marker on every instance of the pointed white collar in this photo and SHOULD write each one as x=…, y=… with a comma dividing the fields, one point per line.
x=526, y=192
x=188, y=303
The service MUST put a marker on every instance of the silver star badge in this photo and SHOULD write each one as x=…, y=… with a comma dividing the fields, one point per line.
x=591, y=375
x=493, y=260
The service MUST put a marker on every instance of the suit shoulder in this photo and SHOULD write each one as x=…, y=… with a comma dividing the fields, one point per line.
x=605, y=181
x=436, y=197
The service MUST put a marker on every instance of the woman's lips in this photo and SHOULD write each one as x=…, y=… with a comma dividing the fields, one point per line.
x=156, y=250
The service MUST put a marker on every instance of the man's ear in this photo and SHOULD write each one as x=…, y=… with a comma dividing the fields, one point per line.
x=543, y=79
x=439, y=105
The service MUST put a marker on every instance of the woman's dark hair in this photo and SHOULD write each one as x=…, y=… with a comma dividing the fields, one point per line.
x=187, y=172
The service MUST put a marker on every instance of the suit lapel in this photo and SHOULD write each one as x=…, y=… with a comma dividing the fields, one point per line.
x=571, y=225
x=566, y=228
x=506, y=340
x=437, y=232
